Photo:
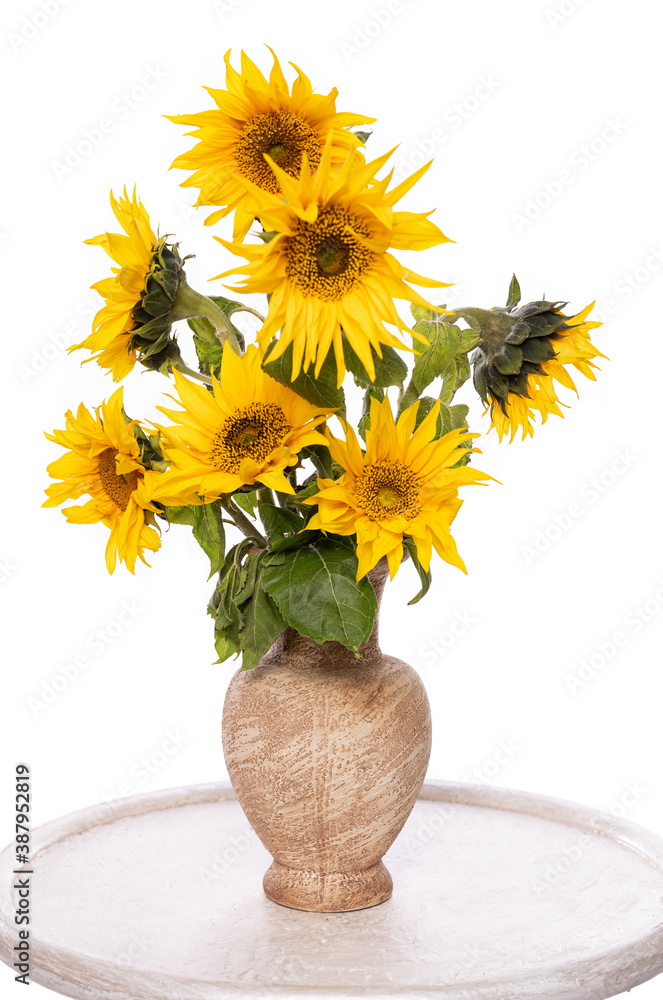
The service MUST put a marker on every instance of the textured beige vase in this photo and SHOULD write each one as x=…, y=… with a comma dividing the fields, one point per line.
x=327, y=754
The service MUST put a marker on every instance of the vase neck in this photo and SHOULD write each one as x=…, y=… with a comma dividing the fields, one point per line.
x=304, y=653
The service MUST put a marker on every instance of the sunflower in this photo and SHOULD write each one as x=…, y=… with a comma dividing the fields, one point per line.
x=554, y=344
x=249, y=430
x=404, y=485
x=327, y=267
x=103, y=460
x=123, y=331
x=254, y=116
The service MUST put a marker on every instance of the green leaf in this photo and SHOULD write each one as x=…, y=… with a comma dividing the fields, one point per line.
x=232, y=578
x=209, y=532
x=181, y=515
x=319, y=455
x=390, y=369
x=320, y=391
x=421, y=313
x=514, y=293
x=247, y=501
x=363, y=136
x=209, y=355
x=365, y=420
x=444, y=341
x=424, y=576
x=279, y=520
x=455, y=374
x=453, y=417
x=247, y=620
x=263, y=624
x=316, y=592
x=225, y=644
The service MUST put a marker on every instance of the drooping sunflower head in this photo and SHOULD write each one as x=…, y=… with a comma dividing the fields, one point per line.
x=113, y=462
x=135, y=322
x=248, y=431
x=328, y=267
x=255, y=117
x=405, y=485
x=523, y=351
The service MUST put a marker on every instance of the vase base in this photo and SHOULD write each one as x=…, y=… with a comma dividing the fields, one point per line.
x=327, y=892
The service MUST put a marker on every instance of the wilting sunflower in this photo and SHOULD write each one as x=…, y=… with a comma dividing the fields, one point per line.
x=403, y=485
x=254, y=116
x=249, y=430
x=327, y=266
x=103, y=461
x=134, y=323
x=524, y=353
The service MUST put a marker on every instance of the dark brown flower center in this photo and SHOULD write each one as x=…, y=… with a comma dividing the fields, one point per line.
x=253, y=431
x=285, y=138
x=117, y=488
x=327, y=258
x=388, y=489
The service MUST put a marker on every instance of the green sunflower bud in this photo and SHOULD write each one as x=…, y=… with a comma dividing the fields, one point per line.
x=515, y=341
x=152, y=315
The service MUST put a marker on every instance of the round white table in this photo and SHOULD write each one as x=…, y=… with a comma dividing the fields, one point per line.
x=498, y=895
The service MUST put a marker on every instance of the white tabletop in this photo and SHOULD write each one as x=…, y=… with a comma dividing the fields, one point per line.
x=498, y=895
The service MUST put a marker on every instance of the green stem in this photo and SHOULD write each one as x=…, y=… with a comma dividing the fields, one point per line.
x=407, y=397
x=181, y=367
x=248, y=309
x=265, y=495
x=242, y=522
x=189, y=303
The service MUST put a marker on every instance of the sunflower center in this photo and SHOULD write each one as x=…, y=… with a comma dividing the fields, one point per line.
x=252, y=431
x=285, y=137
x=117, y=488
x=327, y=258
x=388, y=489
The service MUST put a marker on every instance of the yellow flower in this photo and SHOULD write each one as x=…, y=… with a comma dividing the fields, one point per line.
x=255, y=116
x=327, y=266
x=404, y=484
x=249, y=430
x=111, y=328
x=572, y=347
x=103, y=461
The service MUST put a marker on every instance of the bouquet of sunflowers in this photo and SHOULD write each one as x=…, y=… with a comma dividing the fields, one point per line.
x=261, y=441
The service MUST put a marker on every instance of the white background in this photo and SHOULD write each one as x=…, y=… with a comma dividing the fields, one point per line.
x=507, y=96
